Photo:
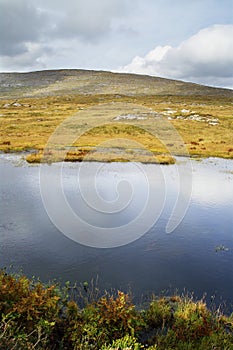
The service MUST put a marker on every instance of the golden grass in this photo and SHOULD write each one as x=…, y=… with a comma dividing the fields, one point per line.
x=30, y=125
x=103, y=156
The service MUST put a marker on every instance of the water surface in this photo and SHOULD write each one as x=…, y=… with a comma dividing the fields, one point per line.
x=187, y=259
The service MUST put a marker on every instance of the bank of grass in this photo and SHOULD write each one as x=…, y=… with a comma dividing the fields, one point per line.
x=103, y=155
x=29, y=124
x=38, y=316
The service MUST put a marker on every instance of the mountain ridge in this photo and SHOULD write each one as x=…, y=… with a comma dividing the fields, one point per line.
x=92, y=82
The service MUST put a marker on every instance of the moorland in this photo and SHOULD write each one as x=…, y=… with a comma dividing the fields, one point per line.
x=33, y=105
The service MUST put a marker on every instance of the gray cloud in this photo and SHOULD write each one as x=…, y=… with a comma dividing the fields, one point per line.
x=20, y=22
x=35, y=54
x=90, y=19
x=29, y=27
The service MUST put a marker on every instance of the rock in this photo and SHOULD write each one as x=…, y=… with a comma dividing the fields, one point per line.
x=129, y=117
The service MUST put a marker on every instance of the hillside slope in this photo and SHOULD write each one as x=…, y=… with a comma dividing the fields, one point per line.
x=62, y=82
x=112, y=106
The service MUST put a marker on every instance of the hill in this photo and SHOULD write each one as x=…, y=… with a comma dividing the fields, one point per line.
x=153, y=112
x=71, y=81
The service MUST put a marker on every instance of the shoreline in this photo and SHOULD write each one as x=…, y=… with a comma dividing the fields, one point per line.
x=35, y=157
x=77, y=315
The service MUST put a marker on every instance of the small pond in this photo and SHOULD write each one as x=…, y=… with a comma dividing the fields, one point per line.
x=197, y=256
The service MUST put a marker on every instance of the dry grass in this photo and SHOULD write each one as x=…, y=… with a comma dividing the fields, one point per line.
x=28, y=126
x=111, y=155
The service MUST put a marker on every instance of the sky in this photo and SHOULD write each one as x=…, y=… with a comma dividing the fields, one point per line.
x=190, y=40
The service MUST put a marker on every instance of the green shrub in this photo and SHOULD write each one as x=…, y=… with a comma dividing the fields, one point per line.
x=193, y=320
x=127, y=342
x=35, y=316
x=159, y=313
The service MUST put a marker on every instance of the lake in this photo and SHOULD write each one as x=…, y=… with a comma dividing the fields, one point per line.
x=197, y=256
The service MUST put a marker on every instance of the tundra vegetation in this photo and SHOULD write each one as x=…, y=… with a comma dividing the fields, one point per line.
x=38, y=316
x=32, y=105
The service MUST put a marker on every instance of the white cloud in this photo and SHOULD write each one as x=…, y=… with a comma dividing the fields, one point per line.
x=206, y=57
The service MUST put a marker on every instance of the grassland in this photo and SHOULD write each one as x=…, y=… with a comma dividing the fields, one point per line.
x=32, y=108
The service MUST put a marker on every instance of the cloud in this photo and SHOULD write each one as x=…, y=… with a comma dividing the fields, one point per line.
x=29, y=28
x=205, y=57
x=106, y=34
x=35, y=55
x=20, y=23
x=89, y=19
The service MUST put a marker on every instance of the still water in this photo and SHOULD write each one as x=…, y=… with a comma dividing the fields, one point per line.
x=197, y=256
